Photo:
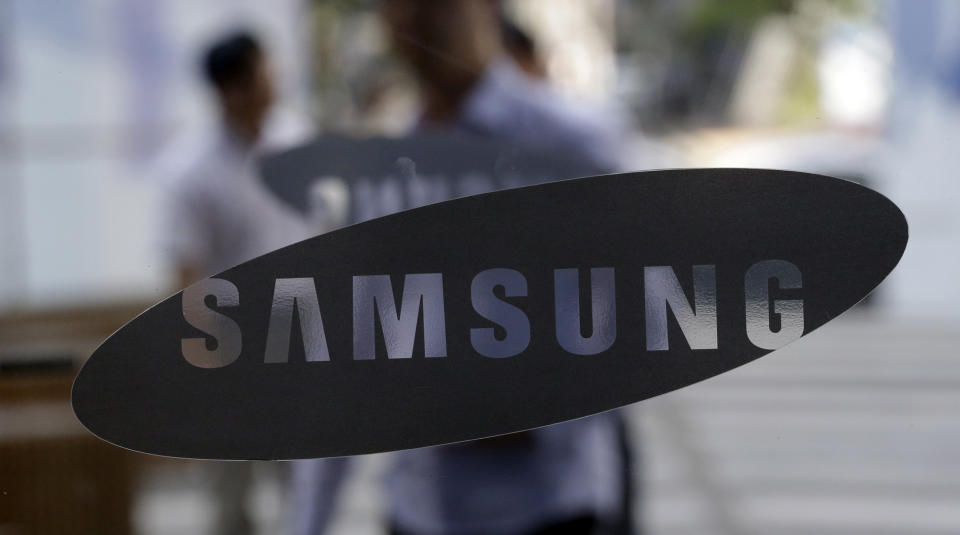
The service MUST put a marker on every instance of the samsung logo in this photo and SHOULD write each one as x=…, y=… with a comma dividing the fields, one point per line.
x=396, y=333
x=422, y=294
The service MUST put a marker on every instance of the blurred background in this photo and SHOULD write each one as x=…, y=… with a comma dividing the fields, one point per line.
x=852, y=430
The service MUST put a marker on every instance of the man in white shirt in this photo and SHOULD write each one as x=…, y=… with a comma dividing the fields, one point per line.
x=219, y=214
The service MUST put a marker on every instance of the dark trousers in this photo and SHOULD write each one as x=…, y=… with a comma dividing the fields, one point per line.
x=581, y=525
x=588, y=524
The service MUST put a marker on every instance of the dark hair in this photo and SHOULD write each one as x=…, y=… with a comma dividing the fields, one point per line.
x=231, y=59
x=515, y=38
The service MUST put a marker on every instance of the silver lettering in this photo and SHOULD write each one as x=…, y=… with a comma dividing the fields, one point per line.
x=603, y=306
x=699, y=326
x=399, y=330
x=302, y=294
x=511, y=318
x=756, y=290
x=222, y=329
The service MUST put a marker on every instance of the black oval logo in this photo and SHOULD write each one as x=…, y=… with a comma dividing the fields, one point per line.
x=490, y=314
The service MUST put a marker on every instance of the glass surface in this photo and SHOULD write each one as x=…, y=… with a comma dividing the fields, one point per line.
x=103, y=104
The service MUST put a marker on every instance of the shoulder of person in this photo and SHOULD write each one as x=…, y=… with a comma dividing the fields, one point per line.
x=188, y=166
x=519, y=107
x=563, y=111
x=182, y=153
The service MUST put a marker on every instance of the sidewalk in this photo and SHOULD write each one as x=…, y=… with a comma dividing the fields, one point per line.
x=853, y=430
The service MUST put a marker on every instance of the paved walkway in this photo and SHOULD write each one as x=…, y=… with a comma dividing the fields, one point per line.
x=853, y=430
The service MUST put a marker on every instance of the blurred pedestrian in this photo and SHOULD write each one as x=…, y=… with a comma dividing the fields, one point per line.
x=219, y=214
x=568, y=478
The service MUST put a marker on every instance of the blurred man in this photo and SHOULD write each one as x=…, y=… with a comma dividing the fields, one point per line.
x=563, y=479
x=219, y=214
x=467, y=81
